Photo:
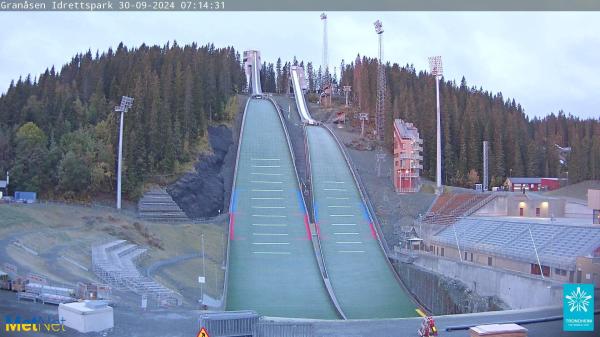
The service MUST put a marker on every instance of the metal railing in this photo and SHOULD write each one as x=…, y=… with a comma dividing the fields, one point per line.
x=321, y=263
x=232, y=199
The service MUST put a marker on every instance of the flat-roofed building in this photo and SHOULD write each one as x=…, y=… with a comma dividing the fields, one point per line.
x=534, y=206
x=516, y=184
x=567, y=253
x=408, y=161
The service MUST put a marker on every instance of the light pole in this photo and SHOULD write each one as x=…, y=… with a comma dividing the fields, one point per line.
x=202, y=279
x=347, y=90
x=435, y=64
x=363, y=117
x=126, y=103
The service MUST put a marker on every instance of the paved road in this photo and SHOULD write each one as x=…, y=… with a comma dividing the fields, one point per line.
x=362, y=281
x=272, y=267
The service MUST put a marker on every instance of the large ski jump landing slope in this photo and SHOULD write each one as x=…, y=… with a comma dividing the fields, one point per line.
x=272, y=266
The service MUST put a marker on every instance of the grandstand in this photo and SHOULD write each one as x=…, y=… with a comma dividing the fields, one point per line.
x=566, y=252
x=157, y=205
x=448, y=207
x=114, y=263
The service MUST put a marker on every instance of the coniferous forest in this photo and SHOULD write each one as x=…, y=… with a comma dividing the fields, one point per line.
x=518, y=146
x=59, y=132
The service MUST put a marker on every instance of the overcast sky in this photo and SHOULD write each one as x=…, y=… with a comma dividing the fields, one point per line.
x=546, y=61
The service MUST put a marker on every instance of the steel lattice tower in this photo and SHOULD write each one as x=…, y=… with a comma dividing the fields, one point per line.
x=380, y=104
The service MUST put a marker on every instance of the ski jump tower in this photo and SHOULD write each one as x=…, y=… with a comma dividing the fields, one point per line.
x=252, y=60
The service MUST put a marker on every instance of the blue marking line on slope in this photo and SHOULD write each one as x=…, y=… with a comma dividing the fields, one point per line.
x=300, y=201
x=366, y=212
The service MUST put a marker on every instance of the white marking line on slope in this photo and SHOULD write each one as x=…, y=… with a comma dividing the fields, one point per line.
x=349, y=242
x=266, y=174
x=335, y=189
x=266, y=182
x=273, y=253
x=269, y=224
x=338, y=198
x=339, y=206
x=269, y=216
x=270, y=234
x=270, y=243
x=343, y=224
x=340, y=215
x=266, y=198
x=351, y=251
x=266, y=165
x=348, y=233
x=260, y=190
x=333, y=182
x=269, y=207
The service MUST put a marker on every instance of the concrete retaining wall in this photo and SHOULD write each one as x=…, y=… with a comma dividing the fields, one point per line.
x=443, y=295
x=494, y=207
x=516, y=290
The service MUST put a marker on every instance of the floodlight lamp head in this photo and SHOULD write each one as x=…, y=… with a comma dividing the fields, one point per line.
x=126, y=103
x=435, y=65
x=378, y=27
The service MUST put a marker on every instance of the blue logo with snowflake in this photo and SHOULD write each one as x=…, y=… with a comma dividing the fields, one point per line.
x=578, y=307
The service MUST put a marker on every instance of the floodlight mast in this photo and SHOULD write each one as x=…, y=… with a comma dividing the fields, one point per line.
x=435, y=64
x=380, y=104
x=325, y=65
x=126, y=103
x=325, y=47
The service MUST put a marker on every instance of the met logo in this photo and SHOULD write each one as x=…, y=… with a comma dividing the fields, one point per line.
x=36, y=324
x=578, y=307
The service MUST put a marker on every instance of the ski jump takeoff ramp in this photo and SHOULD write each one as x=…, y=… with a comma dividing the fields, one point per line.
x=272, y=265
x=362, y=278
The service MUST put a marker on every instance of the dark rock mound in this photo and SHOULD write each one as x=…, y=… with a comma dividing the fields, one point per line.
x=201, y=194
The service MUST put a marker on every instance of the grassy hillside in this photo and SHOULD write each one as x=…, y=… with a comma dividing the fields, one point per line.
x=577, y=191
x=54, y=231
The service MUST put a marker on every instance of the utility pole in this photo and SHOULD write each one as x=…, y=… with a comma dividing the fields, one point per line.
x=435, y=64
x=126, y=103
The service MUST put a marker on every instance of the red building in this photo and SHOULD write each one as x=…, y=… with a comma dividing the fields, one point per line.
x=532, y=184
x=407, y=157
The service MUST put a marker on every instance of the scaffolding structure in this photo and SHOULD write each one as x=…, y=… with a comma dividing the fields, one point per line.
x=114, y=263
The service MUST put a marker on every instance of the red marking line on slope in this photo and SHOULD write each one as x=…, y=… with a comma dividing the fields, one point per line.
x=373, y=233
x=308, y=233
